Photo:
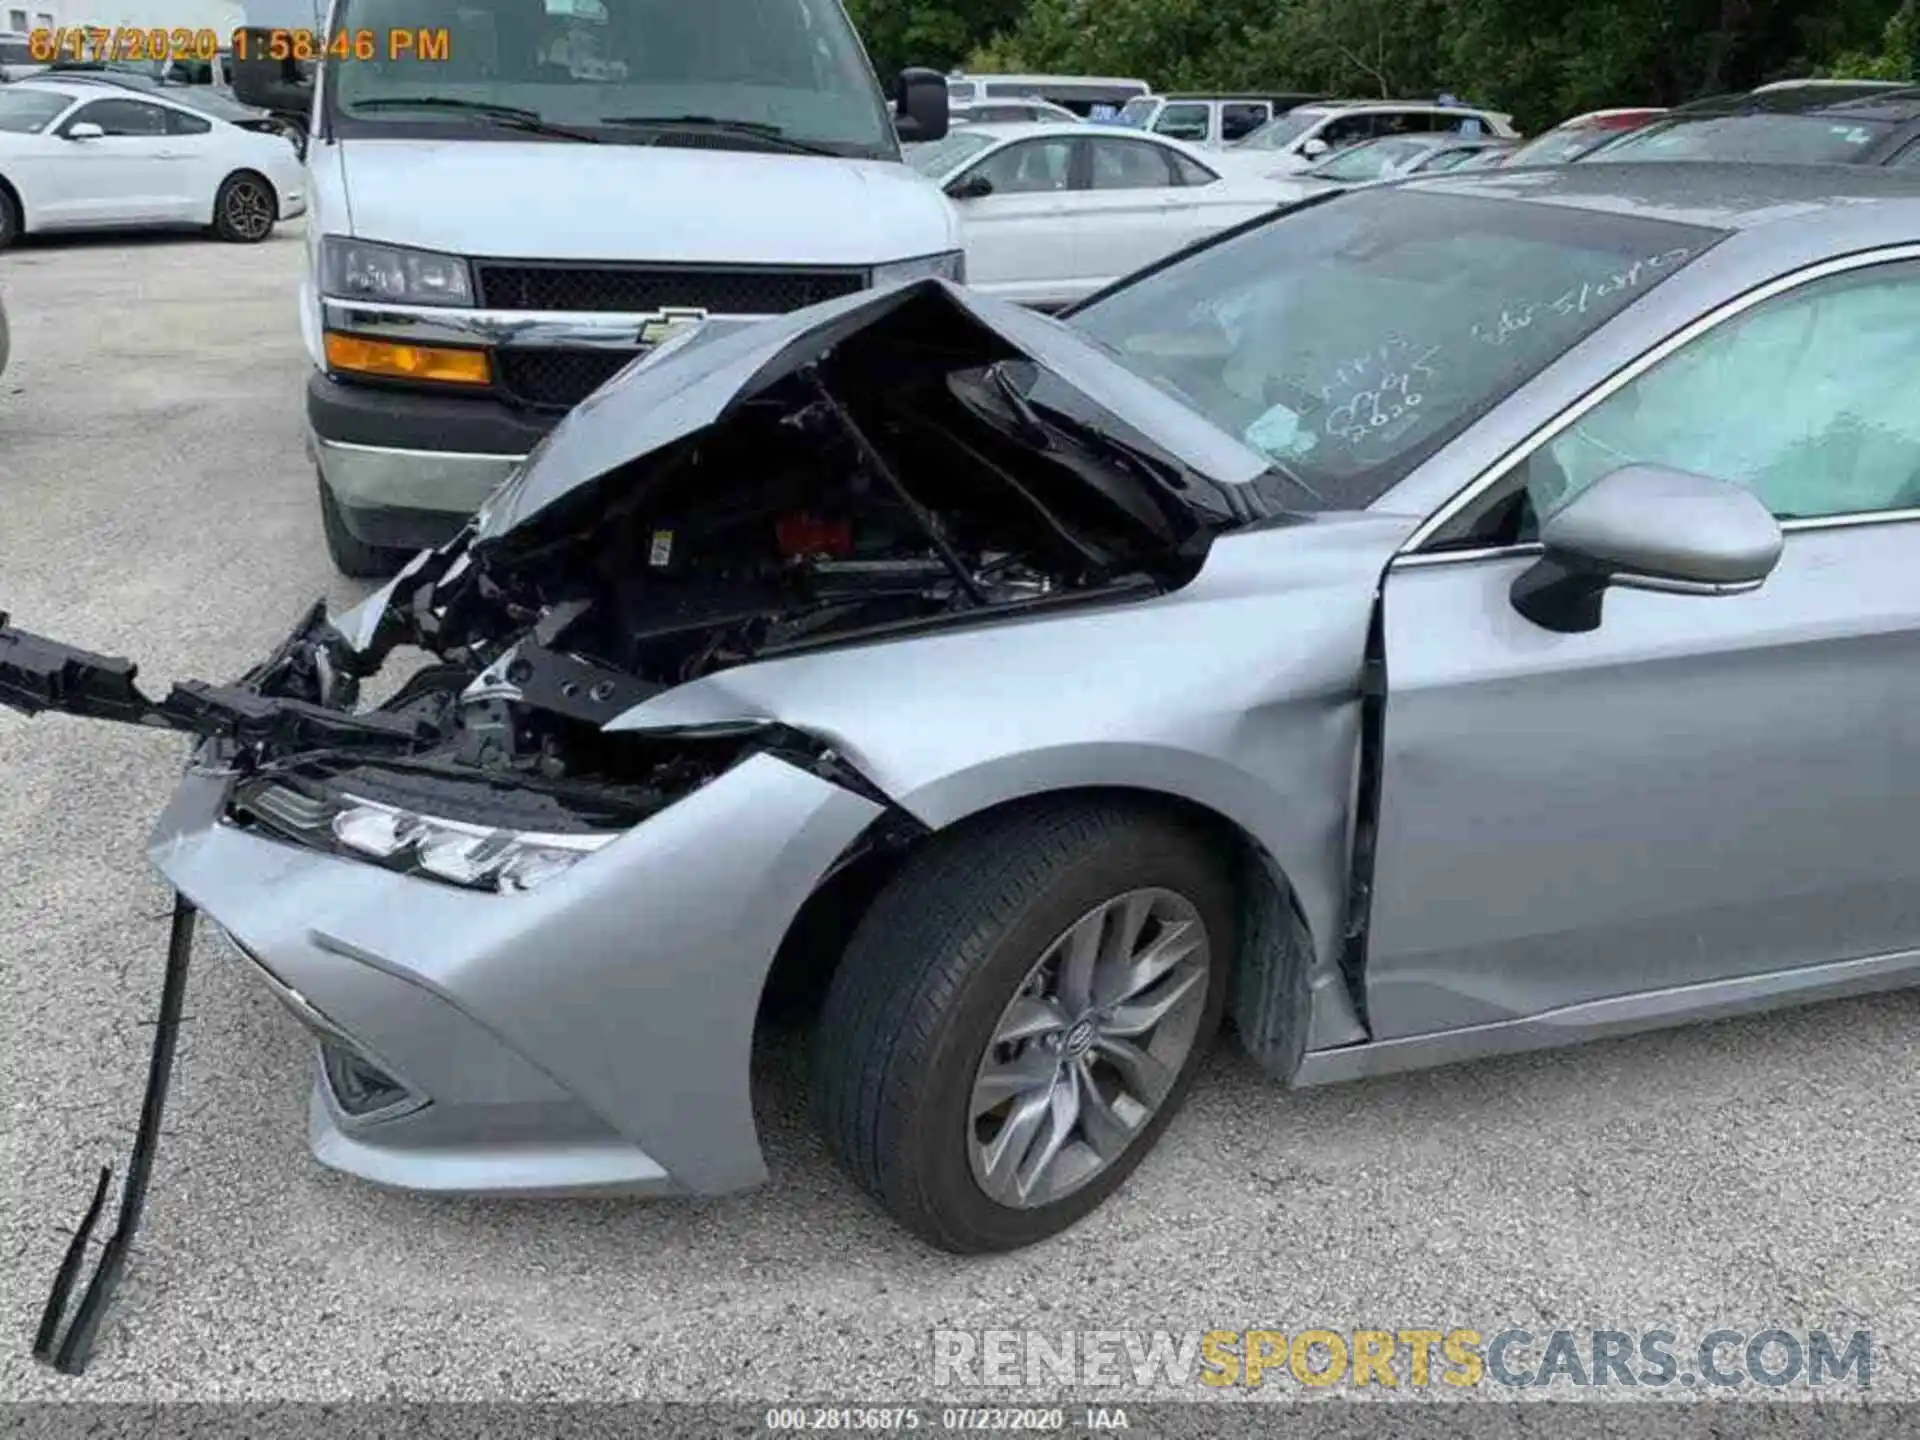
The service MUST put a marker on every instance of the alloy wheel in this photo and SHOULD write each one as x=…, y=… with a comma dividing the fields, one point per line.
x=249, y=211
x=1089, y=1048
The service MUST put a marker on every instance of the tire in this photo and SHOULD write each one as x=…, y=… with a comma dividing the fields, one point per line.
x=10, y=221
x=936, y=971
x=352, y=556
x=245, y=209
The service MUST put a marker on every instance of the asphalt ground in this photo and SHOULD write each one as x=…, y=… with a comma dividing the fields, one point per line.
x=155, y=502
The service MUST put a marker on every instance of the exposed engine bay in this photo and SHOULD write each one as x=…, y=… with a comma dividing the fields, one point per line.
x=918, y=473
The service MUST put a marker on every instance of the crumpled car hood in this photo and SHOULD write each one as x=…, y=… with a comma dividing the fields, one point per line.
x=682, y=389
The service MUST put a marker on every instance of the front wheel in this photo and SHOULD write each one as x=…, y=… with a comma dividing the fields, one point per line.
x=1019, y=1016
x=244, y=209
x=352, y=556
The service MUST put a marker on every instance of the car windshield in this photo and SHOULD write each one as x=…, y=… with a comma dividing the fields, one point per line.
x=1282, y=130
x=718, y=74
x=1764, y=139
x=26, y=112
x=1349, y=339
x=1370, y=162
x=938, y=158
x=1557, y=147
x=1136, y=113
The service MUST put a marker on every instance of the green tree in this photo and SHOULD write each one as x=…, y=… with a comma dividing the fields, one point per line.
x=938, y=33
x=1541, y=61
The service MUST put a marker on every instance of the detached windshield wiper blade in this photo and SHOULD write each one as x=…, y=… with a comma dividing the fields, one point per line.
x=511, y=116
x=745, y=129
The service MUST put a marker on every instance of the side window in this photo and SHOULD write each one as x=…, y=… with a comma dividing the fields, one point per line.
x=1349, y=130
x=1032, y=167
x=121, y=117
x=1183, y=120
x=1909, y=158
x=1129, y=165
x=1811, y=400
x=1188, y=171
x=181, y=123
x=1240, y=118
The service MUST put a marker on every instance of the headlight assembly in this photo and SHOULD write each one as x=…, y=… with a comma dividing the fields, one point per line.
x=477, y=857
x=356, y=270
x=948, y=265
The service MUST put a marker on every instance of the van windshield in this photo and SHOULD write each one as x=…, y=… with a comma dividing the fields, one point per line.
x=719, y=74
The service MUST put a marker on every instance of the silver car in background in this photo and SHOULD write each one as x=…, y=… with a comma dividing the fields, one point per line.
x=1451, y=617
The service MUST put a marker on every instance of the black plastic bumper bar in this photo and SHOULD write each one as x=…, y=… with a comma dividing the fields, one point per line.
x=70, y=1355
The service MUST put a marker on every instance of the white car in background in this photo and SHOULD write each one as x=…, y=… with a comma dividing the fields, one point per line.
x=1305, y=136
x=1010, y=112
x=82, y=156
x=1051, y=213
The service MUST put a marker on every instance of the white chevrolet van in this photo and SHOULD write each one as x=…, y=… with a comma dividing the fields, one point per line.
x=512, y=199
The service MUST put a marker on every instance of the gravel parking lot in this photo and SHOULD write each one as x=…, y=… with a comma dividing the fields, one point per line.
x=155, y=501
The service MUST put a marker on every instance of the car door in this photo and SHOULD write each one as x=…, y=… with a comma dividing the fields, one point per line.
x=201, y=154
x=1701, y=788
x=1021, y=239
x=1240, y=118
x=1134, y=210
x=127, y=175
x=1189, y=120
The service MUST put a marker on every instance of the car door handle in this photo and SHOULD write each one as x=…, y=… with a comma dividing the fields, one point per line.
x=170, y=154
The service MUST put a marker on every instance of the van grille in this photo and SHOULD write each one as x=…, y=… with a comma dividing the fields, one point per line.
x=557, y=379
x=643, y=288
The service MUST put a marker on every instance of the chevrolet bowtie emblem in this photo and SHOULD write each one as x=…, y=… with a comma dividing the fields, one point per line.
x=662, y=324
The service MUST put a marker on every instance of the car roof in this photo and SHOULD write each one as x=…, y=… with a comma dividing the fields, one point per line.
x=1028, y=129
x=71, y=89
x=91, y=87
x=1721, y=195
x=1840, y=99
x=1292, y=97
x=1342, y=107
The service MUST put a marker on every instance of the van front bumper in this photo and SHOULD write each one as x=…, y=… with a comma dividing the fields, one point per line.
x=407, y=469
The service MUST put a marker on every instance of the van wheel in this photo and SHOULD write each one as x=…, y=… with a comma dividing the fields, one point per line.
x=245, y=209
x=1019, y=1016
x=9, y=218
x=352, y=556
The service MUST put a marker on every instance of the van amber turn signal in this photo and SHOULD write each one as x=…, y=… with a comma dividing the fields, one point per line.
x=354, y=354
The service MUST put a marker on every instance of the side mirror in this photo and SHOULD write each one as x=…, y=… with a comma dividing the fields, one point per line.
x=970, y=187
x=269, y=84
x=920, y=105
x=84, y=130
x=1315, y=148
x=1645, y=527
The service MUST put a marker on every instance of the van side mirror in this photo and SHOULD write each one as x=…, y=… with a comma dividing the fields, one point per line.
x=269, y=84
x=920, y=105
x=1646, y=527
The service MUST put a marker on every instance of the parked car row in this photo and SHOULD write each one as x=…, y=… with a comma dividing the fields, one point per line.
x=1051, y=213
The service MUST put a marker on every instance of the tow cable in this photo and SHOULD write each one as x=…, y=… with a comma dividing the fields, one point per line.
x=70, y=1356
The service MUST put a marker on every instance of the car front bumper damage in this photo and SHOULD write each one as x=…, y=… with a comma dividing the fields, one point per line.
x=590, y=1036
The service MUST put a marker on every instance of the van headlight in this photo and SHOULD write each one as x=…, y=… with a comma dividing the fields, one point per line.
x=356, y=270
x=948, y=265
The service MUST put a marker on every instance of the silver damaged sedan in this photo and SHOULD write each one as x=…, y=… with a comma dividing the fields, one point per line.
x=1443, y=619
